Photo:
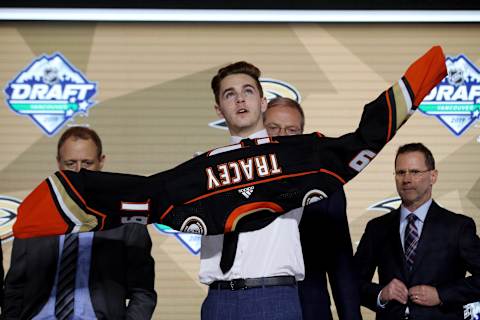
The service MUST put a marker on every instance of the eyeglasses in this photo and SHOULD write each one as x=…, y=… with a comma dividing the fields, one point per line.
x=413, y=173
x=289, y=131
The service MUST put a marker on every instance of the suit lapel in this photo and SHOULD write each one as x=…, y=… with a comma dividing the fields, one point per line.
x=397, y=248
x=48, y=247
x=43, y=259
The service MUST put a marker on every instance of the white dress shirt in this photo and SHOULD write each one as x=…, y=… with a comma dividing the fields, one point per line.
x=83, y=307
x=272, y=251
x=420, y=212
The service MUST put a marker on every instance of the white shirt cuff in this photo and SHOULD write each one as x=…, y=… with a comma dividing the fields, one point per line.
x=379, y=303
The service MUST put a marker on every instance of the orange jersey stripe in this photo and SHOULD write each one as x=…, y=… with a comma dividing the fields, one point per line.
x=389, y=116
x=166, y=212
x=247, y=209
x=333, y=174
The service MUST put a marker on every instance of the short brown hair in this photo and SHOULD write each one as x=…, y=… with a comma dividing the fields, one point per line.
x=287, y=102
x=83, y=133
x=241, y=67
x=418, y=147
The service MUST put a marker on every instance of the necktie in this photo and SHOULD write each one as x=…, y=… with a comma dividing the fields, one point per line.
x=229, y=250
x=66, y=278
x=411, y=240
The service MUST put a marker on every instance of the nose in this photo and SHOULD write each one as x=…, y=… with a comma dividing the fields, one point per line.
x=407, y=178
x=78, y=166
x=240, y=97
x=282, y=132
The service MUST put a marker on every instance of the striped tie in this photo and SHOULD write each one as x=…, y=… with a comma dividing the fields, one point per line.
x=66, y=278
x=411, y=240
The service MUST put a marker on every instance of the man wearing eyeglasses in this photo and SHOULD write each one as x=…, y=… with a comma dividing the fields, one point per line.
x=323, y=228
x=283, y=117
x=421, y=251
x=91, y=276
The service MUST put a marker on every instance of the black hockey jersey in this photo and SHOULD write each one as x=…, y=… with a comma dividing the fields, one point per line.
x=239, y=187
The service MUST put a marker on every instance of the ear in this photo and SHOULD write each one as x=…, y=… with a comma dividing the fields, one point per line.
x=218, y=111
x=102, y=161
x=434, y=176
x=264, y=104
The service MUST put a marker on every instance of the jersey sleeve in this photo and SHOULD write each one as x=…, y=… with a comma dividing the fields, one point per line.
x=241, y=187
x=382, y=118
x=297, y=170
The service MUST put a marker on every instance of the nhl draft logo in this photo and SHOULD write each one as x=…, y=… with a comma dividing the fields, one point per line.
x=455, y=102
x=272, y=88
x=50, y=91
x=8, y=215
x=189, y=240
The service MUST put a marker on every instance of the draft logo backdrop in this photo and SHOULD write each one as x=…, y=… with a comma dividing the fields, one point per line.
x=146, y=87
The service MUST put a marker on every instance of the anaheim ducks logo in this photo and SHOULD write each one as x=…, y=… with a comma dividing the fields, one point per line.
x=8, y=214
x=272, y=88
x=313, y=196
x=194, y=225
x=386, y=205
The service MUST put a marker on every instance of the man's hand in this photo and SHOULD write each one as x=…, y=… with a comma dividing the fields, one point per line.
x=424, y=295
x=394, y=290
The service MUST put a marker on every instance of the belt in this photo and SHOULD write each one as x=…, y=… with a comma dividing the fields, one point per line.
x=241, y=284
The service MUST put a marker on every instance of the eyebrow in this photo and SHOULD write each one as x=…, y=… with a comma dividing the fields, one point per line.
x=232, y=89
x=249, y=86
x=76, y=160
x=226, y=90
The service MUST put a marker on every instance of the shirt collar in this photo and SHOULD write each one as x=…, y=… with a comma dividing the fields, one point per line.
x=421, y=211
x=259, y=134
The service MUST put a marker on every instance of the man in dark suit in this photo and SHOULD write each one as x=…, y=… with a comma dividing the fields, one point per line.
x=324, y=235
x=327, y=249
x=422, y=251
x=1, y=277
x=111, y=267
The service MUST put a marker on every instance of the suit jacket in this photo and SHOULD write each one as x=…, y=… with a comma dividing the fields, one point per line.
x=121, y=268
x=448, y=247
x=1, y=276
x=327, y=249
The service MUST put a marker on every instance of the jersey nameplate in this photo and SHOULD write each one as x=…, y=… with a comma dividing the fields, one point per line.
x=242, y=170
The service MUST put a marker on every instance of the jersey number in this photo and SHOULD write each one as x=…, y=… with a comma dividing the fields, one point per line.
x=362, y=160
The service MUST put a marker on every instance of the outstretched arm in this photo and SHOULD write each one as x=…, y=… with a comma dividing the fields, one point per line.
x=241, y=187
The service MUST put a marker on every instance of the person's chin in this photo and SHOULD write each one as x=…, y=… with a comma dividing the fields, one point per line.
x=243, y=122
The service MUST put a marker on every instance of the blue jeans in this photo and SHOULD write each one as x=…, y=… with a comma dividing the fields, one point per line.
x=264, y=303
